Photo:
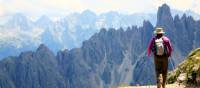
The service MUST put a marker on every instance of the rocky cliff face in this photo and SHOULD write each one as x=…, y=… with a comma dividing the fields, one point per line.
x=182, y=31
x=31, y=70
x=109, y=58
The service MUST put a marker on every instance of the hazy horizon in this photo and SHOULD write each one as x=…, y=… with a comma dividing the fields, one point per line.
x=53, y=8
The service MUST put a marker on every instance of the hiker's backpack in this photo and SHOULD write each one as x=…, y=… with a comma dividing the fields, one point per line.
x=159, y=47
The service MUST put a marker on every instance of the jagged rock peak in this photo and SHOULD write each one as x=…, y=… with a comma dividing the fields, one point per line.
x=19, y=16
x=164, y=15
x=147, y=23
x=184, y=16
x=177, y=18
x=42, y=48
x=165, y=7
x=103, y=30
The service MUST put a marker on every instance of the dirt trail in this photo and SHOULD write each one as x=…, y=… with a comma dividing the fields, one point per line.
x=154, y=86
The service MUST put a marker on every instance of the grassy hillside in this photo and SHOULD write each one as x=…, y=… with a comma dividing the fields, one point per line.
x=188, y=67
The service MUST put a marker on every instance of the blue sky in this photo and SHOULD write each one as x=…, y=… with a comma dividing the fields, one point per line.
x=64, y=7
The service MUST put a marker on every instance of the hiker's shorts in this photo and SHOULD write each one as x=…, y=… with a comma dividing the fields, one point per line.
x=161, y=66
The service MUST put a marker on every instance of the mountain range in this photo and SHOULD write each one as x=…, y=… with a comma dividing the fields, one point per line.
x=109, y=58
x=18, y=32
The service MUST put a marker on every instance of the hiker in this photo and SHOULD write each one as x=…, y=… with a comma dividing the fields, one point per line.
x=161, y=47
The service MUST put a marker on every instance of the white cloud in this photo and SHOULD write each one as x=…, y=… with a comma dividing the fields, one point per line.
x=119, y=5
x=35, y=7
x=63, y=7
x=1, y=10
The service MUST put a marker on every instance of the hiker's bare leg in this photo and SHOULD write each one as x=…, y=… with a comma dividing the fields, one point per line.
x=160, y=80
x=164, y=71
x=158, y=72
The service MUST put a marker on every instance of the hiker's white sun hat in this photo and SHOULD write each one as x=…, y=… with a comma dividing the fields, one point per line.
x=159, y=30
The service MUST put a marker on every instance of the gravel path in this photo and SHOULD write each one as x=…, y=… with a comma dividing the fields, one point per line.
x=154, y=86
